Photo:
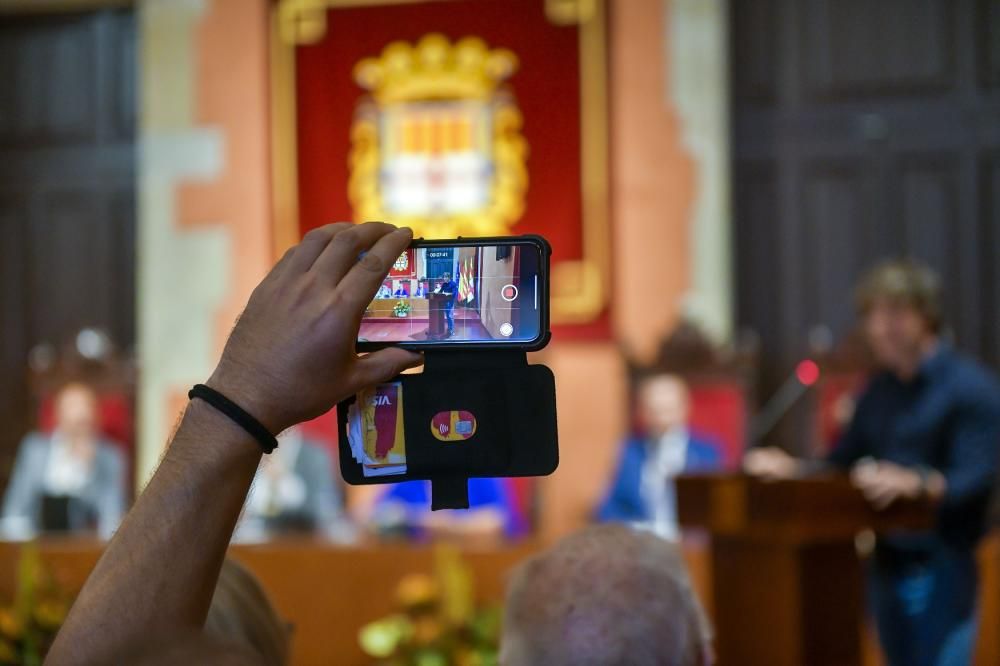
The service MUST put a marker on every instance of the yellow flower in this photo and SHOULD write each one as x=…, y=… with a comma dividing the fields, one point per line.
x=10, y=625
x=381, y=638
x=50, y=614
x=427, y=630
x=416, y=590
x=8, y=654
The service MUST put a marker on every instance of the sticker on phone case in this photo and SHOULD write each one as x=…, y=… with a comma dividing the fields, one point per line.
x=375, y=430
x=453, y=426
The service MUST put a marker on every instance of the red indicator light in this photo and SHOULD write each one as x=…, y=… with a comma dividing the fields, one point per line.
x=807, y=372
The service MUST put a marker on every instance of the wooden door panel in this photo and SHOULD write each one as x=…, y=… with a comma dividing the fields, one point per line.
x=51, y=67
x=67, y=170
x=835, y=244
x=859, y=48
x=988, y=43
x=877, y=126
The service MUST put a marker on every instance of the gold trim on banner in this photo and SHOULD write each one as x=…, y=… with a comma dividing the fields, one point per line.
x=434, y=68
x=579, y=288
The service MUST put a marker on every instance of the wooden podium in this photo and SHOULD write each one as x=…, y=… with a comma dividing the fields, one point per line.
x=437, y=327
x=786, y=580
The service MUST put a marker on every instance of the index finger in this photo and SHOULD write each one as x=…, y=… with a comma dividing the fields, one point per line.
x=359, y=286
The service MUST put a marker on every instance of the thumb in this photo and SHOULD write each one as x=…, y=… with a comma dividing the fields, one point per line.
x=383, y=365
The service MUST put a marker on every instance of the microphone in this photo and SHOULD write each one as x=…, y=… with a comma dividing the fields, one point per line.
x=798, y=383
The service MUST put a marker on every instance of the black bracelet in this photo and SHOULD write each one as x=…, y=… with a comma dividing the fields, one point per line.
x=267, y=441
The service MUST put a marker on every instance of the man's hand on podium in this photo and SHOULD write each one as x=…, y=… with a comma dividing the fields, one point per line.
x=771, y=464
x=883, y=482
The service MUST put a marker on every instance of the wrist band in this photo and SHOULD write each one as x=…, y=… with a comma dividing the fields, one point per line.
x=267, y=441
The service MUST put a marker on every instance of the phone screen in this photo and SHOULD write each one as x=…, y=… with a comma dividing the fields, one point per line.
x=459, y=294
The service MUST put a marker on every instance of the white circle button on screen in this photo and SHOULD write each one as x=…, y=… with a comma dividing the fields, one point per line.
x=506, y=329
x=508, y=293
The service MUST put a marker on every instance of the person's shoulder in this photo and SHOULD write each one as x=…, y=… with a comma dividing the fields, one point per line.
x=705, y=443
x=972, y=380
x=633, y=447
x=36, y=439
x=109, y=453
x=35, y=444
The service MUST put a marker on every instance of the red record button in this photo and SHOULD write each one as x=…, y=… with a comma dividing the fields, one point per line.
x=508, y=293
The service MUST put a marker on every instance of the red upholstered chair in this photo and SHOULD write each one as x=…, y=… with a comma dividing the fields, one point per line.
x=719, y=410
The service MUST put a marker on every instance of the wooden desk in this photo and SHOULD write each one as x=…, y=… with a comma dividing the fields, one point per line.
x=786, y=579
x=381, y=308
x=327, y=592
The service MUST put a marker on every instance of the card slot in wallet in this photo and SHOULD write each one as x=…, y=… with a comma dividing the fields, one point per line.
x=431, y=398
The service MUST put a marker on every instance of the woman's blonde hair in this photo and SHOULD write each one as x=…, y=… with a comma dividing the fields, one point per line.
x=242, y=613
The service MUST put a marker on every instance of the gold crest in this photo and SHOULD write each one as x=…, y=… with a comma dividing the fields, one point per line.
x=436, y=145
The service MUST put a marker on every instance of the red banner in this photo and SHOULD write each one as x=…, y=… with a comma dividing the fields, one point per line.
x=545, y=86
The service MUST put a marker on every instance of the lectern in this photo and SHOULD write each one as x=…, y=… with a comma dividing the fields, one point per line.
x=786, y=579
x=437, y=327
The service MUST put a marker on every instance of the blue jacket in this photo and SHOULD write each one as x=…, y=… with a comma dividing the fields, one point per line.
x=483, y=493
x=624, y=501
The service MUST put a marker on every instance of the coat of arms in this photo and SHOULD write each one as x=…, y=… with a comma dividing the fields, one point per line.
x=436, y=144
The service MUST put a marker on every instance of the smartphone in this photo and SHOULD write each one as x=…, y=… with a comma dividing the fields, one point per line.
x=466, y=293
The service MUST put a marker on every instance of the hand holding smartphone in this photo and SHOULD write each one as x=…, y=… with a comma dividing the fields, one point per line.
x=467, y=293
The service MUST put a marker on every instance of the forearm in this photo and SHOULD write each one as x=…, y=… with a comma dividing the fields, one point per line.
x=160, y=568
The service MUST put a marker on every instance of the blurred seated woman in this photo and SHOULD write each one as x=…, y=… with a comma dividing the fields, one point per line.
x=406, y=508
x=72, y=479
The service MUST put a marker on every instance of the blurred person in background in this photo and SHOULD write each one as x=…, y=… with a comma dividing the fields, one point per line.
x=406, y=508
x=606, y=596
x=70, y=480
x=241, y=613
x=295, y=490
x=642, y=491
x=926, y=426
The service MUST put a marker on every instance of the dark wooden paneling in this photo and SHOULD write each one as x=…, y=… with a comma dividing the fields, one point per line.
x=757, y=238
x=878, y=139
x=71, y=264
x=836, y=242
x=13, y=309
x=51, y=67
x=988, y=41
x=857, y=48
x=67, y=204
x=989, y=224
x=928, y=209
x=753, y=59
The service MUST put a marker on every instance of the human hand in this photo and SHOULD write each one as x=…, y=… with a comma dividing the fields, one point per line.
x=770, y=463
x=883, y=482
x=291, y=355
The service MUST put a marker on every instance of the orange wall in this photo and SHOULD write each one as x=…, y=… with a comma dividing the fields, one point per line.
x=652, y=177
x=232, y=95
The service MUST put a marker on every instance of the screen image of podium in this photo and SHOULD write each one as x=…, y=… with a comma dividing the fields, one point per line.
x=464, y=293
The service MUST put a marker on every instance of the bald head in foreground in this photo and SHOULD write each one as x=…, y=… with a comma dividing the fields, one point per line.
x=607, y=595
